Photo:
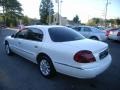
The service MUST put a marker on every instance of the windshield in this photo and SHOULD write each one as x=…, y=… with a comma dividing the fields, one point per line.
x=62, y=34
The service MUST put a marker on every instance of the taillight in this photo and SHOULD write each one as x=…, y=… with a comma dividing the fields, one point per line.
x=107, y=33
x=118, y=34
x=84, y=56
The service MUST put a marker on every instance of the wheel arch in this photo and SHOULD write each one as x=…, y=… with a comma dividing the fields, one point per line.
x=40, y=55
x=53, y=70
x=6, y=42
x=94, y=37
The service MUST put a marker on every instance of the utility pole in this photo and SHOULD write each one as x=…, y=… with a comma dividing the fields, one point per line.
x=58, y=16
x=50, y=13
x=58, y=13
x=106, y=9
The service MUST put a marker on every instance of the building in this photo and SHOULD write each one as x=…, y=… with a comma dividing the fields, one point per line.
x=63, y=20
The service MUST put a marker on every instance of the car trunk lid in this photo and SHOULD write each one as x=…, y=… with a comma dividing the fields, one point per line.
x=87, y=44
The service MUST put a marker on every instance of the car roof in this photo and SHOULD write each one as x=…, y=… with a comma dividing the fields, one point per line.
x=84, y=26
x=45, y=27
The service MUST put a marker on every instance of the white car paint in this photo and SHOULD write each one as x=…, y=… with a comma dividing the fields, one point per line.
x=62, y=53
x=113, y=35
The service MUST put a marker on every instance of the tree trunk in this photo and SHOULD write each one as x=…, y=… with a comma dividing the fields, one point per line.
x=4, y=17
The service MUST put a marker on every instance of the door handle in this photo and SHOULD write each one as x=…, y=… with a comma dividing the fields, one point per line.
x=35, y=46
x=19, y=42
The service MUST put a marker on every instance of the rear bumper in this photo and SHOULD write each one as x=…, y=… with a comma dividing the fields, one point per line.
x=86, y=72
x=93, y=72
x=114, y=37
x=104, y=38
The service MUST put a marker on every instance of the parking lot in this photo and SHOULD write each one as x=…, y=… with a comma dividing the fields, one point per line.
x=16, y=73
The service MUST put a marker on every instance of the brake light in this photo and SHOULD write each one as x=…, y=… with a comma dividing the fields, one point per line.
x=107, y=33
x=118, y=34
x=84, y=56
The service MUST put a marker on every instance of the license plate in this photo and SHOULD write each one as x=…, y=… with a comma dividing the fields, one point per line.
x=103, y=54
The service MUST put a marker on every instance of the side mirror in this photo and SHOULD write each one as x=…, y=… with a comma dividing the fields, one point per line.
x=12, y=35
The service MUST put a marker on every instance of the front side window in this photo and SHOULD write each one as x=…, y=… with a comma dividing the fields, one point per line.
x=30, y=34
x=77, y=28
x=62, y=34
x=21, y=34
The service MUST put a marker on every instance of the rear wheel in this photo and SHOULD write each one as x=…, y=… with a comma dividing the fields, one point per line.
x=94, y=38
x=46, y=67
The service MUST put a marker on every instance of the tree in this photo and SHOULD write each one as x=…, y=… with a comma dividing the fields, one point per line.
x=26, y=20
x=112, y=21
x=46, y=9
x=2, y=4
x=117, y=21
x=95, y=21
x=76, y=19
x=1, y=19
x=11, y=10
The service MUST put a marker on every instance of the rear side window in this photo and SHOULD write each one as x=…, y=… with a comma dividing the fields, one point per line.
x=96, y=30
x=87, y=29
x=35, y=34
x=77, y=28
x=62, y=34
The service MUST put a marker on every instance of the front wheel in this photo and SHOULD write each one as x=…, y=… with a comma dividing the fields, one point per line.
x=46, y=67
x=7, y=49
x=94, y=38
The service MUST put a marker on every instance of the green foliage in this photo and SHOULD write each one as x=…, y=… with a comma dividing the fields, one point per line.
x=99, y=21
x=94, y=21
x=26, y=20
x=112, y=21
x=117, y=21
x=76, y=19
x=46, y=8
x=1, y=18
x=11, y=11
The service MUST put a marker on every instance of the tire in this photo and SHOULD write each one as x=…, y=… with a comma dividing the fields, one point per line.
x=8, y=50
x=94, y=38
x=46, y=67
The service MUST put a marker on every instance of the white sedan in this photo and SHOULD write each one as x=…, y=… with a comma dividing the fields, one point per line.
x=60, y=49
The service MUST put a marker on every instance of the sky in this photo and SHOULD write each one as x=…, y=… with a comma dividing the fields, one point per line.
x=85, y=9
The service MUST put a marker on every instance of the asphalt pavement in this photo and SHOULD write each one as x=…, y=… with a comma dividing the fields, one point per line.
x=17, y=73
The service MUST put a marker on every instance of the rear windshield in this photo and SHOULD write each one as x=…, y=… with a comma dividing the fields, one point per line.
x=62, y=34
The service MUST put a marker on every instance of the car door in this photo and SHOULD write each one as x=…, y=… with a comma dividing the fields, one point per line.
x=81, y=30
x=32, y=44
x=18, y=39
x=86, y=32
x=12, y=43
